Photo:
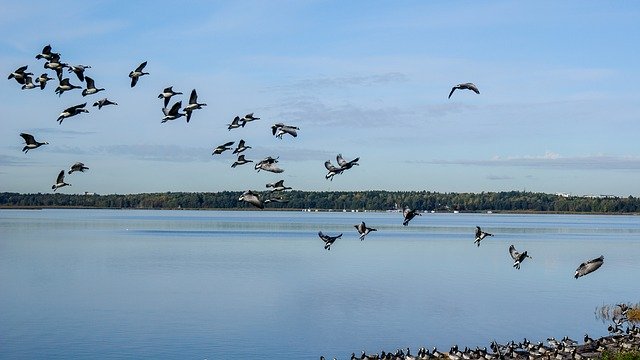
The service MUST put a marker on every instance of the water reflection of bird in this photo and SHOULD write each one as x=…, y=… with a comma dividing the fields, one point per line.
x=589, y=267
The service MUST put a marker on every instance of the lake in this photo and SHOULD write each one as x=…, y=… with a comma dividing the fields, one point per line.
x=139, y=284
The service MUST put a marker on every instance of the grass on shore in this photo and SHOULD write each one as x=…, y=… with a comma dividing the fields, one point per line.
x=627, y=355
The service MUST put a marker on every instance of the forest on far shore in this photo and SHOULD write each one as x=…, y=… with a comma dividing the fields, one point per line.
x=508, y=201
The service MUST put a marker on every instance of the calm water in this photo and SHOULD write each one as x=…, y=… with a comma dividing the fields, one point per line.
x=133, y=284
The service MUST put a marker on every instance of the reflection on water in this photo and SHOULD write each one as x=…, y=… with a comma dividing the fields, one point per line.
x=221, y=285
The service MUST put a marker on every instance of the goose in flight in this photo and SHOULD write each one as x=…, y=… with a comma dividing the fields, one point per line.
x=408, y=215
x=137, y=73
x=276, y=200
x=91, y=87
x=222, y=148
x=31, y=142
x=328, y=240
x=55, y=64
x=480, y=235
x=65, y=85
x=42, y=80
x=589, y=267
x=78, y=70
x=172, y=113
x=251, y=198
x=278, y=186
x=241, y=161
x=72, y=111
x=193, y=104
x=518, y=258
x=59, y=181
x=241, y=147
x=235, y=123
x=166, y=94
x=20, y=75
x=465, y=86
x=363, y=230
x=77, y=167
x=346, y=165
x=28, y=83
x=104, y=102
x=248, y=118
x=46, y=53
x=280, y=129
x=268, y=164
x=332, y=170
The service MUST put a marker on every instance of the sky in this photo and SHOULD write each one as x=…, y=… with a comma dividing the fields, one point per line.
x=558, y=109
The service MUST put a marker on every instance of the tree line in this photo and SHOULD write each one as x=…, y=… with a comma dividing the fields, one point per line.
x=347, y=200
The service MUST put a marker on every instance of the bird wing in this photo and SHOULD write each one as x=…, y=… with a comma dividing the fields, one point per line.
x=329, y=166
x=478, y=231
x=141, y=66
x=46, y=49
x=193, y=99
x=340, y=160
x=28, y=138
x=90, y=83
x=473, y=87
x=228, y=144
x=74, y=108
x=60, y=178
x=134, y=81
x=290, y=130
x=279, y=183
x=452, y=90
x=65, y=81
x=513, y=252
x=175, y=108
x=322, y=236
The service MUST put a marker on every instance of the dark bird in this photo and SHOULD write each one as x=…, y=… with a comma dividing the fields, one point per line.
x=20, y=75
x=251, y=198
x=363, y=230
x=241, y=161
x=137, y=73
x=280, y=129
x=104, y=102
x=465, y=86
x=346, y=165
x=166, y=94
x=236, y=123
x=172, y=113
x=248, y=118
x=480, y=235
x=55, y=64
x=518, y=258
x=241, y=147
x=28, y=83
x=328, y=240
x=278, y=186
x=276, y=200
x=77, y=167
x=59, y=181
x=332, y=170
x=268, y=164
x=31, y=142
x=72, y=111
x=42, y=80
x=91, y=87
x=46, y=53
x=409, y=214
x=589, y=267
x=193, y=104
x=65, y=85
x=222, y=148
x=79, y=70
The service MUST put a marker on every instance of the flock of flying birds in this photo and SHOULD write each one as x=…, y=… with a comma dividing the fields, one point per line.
x=54, y=63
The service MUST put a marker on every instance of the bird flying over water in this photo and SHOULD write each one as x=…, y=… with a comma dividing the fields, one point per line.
x=251, y=198
x=589, y=267
x=480, y=235
x=278, y=186
x=332, y=170
x=328, y=240
x=408, y=215
x=59, y=181
x=363, y=230
x=137, y=73
x=236, y=123
x=518, y=258
x=31, y=142
x=465, y=86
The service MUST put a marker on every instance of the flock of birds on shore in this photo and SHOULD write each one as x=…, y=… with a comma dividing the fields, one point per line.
x=268, y=164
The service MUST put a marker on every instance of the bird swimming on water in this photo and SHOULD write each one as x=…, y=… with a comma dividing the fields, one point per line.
x=518, y=258
x=363, y=230
x=480, y=235
x=408, y=215
x=59, y=181
x=465, y=86
x=137, y=73
x=31, y=142
x=77, y=167
x=589, y=267
x=328, y=240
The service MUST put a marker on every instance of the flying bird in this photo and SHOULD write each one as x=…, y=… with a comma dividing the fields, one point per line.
x=241, y=161
x=77, y=167
x=166, y=94
x=91, y=87
x=363, y=230
x=409, y=214
x=137, y=73
x=280, y=129
x=480, y=235
x=222, y=148
x=59, y=181
x=235, y=123
x=193, y=104
x=241, y=147
x=172, y=113
x=278, y=186
x=28, y=83
x=518, y=258
x=104, y=102
x=72, y=111
x=589, y=267
x=78, y=70
x=31, y=142
x=268, y=164
x=251, y=198
x=328, y=240
x=465, y=86
x=65, y=85
x=332, y=170
x=42, y=80
x=19, y=74
x=346, y=165
x=46, y=53
x=248, y=118
x=54, y=64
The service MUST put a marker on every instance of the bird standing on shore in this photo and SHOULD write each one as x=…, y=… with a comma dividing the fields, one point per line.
x=589, y=267
x=480, y=235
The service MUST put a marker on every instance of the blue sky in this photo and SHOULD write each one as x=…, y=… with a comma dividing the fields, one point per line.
x=558, y=109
